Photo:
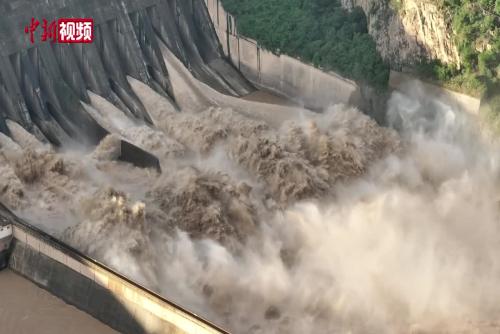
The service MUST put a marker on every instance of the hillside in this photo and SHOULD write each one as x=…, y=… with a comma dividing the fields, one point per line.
x=321, y=32
x=453, y=43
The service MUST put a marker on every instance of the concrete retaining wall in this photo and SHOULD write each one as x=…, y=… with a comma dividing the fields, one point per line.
x=280, y=74
x=296, y=80
x=405, y=83
x=97, y=290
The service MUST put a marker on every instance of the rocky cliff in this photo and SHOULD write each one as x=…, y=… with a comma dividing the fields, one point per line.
x=407, y=31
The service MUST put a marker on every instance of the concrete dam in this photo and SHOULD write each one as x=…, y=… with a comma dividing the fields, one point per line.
x=174, y=177
x=42, y=85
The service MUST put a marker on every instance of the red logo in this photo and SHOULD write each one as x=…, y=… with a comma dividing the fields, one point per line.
x=67, y=30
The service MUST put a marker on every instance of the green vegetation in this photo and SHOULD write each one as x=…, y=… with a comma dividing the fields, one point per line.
x=323, y=33
x=396, y=4
x=476, y=24
x=490, y=112
x=320, y=32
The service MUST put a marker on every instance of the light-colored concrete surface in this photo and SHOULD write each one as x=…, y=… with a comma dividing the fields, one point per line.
x=407, y=84
x=279, y=73
x=269, y=98
x=26, y=308
x=39, y=260
x=304, y=83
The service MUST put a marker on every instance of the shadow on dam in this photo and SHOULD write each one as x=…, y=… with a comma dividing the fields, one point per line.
x=93, y=287
x=42, y=85
x=63, y=282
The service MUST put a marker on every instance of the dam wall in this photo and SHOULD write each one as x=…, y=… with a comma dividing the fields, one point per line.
x=43, y=84
x=317, y=89
x=94, y=288
x=279, y=74
x=405, y=83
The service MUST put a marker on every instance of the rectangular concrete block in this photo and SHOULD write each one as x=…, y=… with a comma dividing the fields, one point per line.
x=73, y=264
x=31, y=259
x=270, y=65
x=130, y=306
x=101, y=278
x=116, y=285
x=16, y=257
x=221, y=17
x=130, y=294
x=87, y=271
x=68, y=284
x=46, y=249
x=212, y=10
x=153, y=324
x=19, y=234
x=57, y=255
x=42, y=269
x=248, y=54
x=152, y=306
x=100, y=300
x=33, y=242
x=234, y=50
x=125, y=317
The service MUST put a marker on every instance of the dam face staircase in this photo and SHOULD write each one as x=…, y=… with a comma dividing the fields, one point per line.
x=43, y=84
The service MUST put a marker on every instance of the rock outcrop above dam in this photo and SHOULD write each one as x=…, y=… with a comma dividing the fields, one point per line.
x=416, y=30
x=42, y=85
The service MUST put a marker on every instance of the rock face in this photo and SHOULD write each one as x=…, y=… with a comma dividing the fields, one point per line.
x=415, y=30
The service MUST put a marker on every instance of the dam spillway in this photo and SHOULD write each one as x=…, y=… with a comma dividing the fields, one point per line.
x=148, y=182
x=42, y=84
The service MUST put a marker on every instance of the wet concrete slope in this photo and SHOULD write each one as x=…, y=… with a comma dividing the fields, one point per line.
x=42, y=85
x=92, y=287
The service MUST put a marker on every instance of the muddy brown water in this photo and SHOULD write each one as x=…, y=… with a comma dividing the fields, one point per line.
x=27, y=309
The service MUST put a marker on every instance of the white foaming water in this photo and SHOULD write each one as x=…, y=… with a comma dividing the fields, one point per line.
x=278, y=220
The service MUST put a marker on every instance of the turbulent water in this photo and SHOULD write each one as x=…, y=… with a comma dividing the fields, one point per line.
x=272, y=219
